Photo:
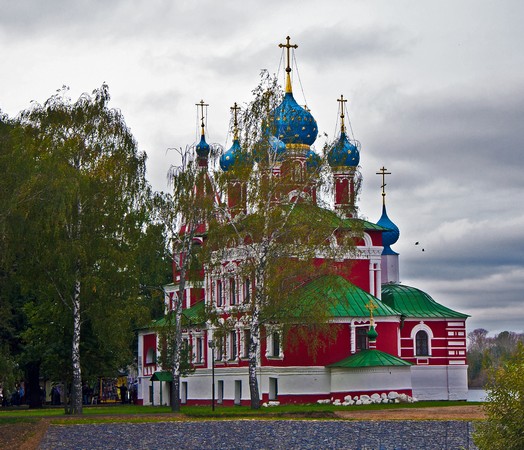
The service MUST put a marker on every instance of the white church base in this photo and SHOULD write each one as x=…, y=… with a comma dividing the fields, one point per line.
x=440, y=382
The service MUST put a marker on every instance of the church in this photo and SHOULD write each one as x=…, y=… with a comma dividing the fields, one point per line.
x=390, y=339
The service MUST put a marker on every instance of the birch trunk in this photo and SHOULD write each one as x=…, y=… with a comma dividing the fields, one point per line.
x=76, y=391
x=177, y=344
x=254, y=343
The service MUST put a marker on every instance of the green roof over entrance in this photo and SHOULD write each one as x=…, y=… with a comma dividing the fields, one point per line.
x=370, y=358
x=345, y=299
x=162, y=376
x=413, y=302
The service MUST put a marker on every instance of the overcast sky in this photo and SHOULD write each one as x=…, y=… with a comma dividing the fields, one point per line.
x=435, y=89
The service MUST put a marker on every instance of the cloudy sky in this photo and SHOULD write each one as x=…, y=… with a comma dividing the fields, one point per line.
x=435, y=89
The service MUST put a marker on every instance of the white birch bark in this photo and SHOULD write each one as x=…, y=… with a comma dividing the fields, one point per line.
x=76, y=392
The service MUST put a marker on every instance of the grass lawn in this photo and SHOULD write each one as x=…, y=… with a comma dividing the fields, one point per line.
x=126, y=412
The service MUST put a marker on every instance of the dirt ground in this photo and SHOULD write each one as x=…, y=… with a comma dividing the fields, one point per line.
x=466, y=412
x=27, y=436
x=22, y=436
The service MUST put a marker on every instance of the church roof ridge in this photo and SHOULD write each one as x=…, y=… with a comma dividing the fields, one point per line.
x=370, y=358
x=413, y=302
x=347, y=299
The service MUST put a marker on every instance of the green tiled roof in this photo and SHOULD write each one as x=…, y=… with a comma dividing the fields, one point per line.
x=345, y=299
x=370, y=358
x=413, y=302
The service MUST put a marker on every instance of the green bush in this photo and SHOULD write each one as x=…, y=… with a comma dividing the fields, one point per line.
x=504, y=425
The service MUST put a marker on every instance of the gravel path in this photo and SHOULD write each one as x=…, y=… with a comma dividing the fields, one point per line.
x=266, y=434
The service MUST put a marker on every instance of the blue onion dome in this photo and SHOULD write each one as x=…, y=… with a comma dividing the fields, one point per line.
x=229, y=157
x=292, y=123
x=343, y=153
x=388, y=237
x=269, y=145
x=312, y=160
x=276, y=146
x=202, y=148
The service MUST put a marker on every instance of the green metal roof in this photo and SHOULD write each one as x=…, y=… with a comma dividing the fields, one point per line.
x=314, y=212
x=191, y=316
x=413, y=302
x=370, y=358
x=162, y=376
x=345, y=299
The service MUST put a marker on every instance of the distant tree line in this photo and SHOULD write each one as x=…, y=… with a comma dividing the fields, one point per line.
x=486, y=353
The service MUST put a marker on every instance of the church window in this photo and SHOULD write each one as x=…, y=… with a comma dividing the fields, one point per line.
x=297, y=172
x=233, y=345
x=275, y=344
x=219, y=351
x=421, y=343
x=219, y=293
x=247, y=339
x=247, y=290
x=199, y=350
x=232, y=291
x=151, y=356
x=361, y=338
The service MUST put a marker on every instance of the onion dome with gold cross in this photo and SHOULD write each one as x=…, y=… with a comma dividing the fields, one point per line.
x=202, y=148
x=230, y=157
x=343, y=153
x=290, y=122
x=391, y=236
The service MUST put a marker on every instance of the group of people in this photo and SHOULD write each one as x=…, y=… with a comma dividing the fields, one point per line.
x=16, y=398
x=111, y=391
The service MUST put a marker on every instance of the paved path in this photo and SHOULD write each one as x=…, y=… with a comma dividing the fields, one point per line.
x=263, y=434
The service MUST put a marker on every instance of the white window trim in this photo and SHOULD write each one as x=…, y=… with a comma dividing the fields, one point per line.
x=422, y=327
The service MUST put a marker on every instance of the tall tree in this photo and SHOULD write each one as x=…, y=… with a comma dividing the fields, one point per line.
x=275, y=234
x=186, y=214
x=82, y=210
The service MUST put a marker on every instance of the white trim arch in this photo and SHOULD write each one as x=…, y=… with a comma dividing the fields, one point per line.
x=367, y=240
x=422, y=327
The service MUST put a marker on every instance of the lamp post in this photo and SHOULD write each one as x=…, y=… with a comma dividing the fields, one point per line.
x=211, y=344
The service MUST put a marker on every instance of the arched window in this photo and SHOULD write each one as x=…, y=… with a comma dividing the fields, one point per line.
x=361, y=334
x=421, y=343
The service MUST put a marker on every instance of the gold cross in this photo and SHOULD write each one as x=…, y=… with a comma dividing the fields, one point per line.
x=287, y=45
x=235, y=108
x=342, y=100
x=201, y=104
x=370, y=306
x=383, y=173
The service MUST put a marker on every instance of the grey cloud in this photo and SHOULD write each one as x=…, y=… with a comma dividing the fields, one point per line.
x=341, y=44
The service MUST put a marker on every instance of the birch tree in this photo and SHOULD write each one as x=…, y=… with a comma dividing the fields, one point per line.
x=186, y=215
x=281, y=239
x=84, y=206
